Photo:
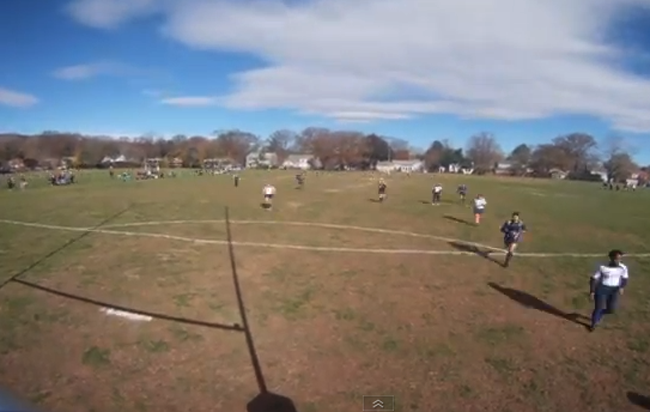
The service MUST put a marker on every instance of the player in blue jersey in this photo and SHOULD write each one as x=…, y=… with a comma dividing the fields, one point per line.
x=513, y=231
x=462, y=193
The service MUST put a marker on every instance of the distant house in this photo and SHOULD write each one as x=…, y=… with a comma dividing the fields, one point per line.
x=300, y=161
x=406, y=166
x=558, y=174
x=602, y=174
x=503, y=169
x=16, y=164
x=175, y=162
x=219, y=163
x=110, y=160
x=261, y=159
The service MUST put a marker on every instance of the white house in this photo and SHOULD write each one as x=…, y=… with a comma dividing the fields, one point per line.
x=406, y=166
x=299, y=161
x=118, y=159
x=261, y=159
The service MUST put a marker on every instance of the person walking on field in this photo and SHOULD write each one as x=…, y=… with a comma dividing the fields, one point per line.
x=606, y=285
x=479, y=208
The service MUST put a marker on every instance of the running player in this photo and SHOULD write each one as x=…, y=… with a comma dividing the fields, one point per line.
x=269, y=193
x=606, y=285
x=513, y=231
x=479, y=208
x=381, y=190
x=437, y=193
x=462, y=193
x=300, y=180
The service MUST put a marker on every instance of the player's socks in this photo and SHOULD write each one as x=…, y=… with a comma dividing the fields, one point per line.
x=506, y=263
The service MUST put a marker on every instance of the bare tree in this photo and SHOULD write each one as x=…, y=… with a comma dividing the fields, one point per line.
x=619, y=164
x=579, y=150
x=484, y=151
x=280, y=143
x=520, y=159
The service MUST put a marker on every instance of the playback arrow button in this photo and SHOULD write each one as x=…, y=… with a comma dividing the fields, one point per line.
x=378, y=403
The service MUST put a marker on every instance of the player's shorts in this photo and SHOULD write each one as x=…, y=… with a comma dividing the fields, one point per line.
x=508, y=241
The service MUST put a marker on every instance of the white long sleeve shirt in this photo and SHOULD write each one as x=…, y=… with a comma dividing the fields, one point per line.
x=611, y=276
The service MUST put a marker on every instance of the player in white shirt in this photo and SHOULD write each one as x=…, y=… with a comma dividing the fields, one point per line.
x=269, y=192
x=606, y=285
x=437, y=193
x=479, y=208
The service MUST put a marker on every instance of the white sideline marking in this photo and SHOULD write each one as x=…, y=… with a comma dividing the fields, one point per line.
x=302, y=247
x=126, y=315
x=307, y=224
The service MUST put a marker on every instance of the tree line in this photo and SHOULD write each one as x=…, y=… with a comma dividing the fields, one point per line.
x=576, y=153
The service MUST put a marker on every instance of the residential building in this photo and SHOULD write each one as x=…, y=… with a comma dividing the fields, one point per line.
x=503, y=168
x=299, y=161
x=406, y=166
x=261, y=159
x=111, y=160
x=175, y=162
x=558, y=174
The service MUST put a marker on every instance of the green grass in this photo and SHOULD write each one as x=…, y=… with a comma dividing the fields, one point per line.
x=329, y=326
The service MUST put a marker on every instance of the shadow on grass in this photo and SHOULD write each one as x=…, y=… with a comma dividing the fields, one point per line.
x=270, y=402
x=639, y=400
x=485, y=254
x=530, y=301
x=265, y=401
x=458, y=220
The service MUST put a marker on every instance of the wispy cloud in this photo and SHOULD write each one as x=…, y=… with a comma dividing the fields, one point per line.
x=108, y=14
x=89, y=70
x=190, y=101
x=16, y=99
x=494, y=59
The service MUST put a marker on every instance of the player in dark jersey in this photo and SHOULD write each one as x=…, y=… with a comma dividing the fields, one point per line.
x=513, y=231
x=381, y=190
x=300, y=180
x=462, y=193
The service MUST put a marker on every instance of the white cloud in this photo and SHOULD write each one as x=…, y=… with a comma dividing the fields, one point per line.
x=190, y=101
x=108, y=14
x=89, y=70
x=365, y=59
x=16, y=99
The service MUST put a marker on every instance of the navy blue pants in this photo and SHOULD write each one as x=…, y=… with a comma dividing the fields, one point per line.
x=605, y=301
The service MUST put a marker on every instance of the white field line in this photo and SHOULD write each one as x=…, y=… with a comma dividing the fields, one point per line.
x=294, y=247
x=305, y=224
x=126, y=315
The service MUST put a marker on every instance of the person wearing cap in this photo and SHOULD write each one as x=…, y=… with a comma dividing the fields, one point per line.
x=606, y=285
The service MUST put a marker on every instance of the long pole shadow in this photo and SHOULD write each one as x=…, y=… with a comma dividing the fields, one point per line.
x=485, y=254
x=265, y=401
x=63, y=247
x=108, y=305
x=639, y=400
x=530, y=301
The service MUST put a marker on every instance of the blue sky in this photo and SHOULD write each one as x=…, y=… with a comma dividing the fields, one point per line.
x=524, y=70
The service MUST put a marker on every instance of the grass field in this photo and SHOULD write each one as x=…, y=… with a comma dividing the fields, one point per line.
x=344, y=312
